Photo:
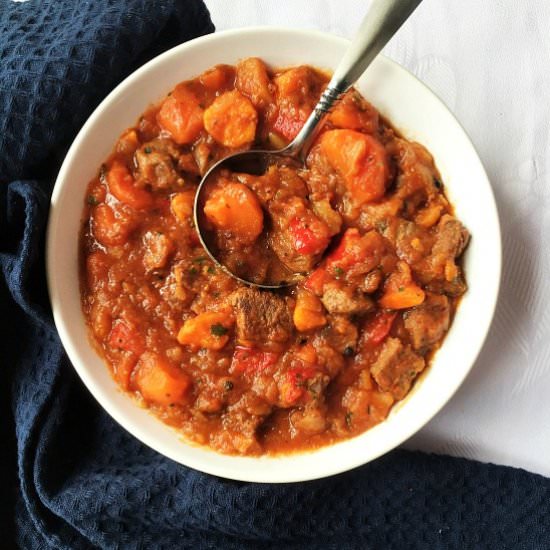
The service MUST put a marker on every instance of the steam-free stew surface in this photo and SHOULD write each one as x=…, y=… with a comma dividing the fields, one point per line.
x=365, y=226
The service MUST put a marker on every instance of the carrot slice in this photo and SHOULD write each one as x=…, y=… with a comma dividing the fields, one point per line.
x=400, y=291
x=231, y=119
x=360, y=159
x=110, y=228
x=207, y=330
x=159, y=381
x=234, y=207
x=122, y=186
x=181, y=115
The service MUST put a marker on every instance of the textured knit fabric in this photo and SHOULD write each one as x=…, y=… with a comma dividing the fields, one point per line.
x=80, y=481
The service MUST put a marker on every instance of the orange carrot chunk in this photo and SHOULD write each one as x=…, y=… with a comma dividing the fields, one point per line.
x=122, y=186
x=234, y=207
x=400, y=291
x=159, y=381
x=231, y=119
x=111, y=228
x=181, y=115
x=360, y=160
x=209, y=330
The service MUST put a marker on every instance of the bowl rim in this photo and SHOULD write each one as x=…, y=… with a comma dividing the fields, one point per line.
x=71, y=348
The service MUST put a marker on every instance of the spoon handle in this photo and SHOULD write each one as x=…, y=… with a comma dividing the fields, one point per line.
x=382, y=21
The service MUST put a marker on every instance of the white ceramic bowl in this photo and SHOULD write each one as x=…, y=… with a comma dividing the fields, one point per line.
x=414, y=110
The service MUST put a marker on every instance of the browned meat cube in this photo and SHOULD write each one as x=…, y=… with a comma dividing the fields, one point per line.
x=396, y=367
x=262, y=317
x=156, y=162
x=412, y=242
x=452, y=238
x=239, y=432
x=309, y=420
x=439, y=271
x=298, y=237
x=428, y=322
x=158, y=248
x=342, y=334
x=344, y=300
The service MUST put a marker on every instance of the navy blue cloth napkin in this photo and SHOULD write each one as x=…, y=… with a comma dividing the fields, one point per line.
x=72, y=478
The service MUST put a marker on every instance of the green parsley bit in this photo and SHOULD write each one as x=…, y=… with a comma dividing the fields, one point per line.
x=338, y=272
x=147, y=150
x=92, y=201
x=211, y=269
x=218, y=330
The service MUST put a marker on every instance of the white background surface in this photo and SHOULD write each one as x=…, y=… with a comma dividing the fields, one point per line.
x=489, y=61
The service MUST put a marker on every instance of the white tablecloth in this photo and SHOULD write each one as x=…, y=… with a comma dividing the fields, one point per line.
x=489, y=60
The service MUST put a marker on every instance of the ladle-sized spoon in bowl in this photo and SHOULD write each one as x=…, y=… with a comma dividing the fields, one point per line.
x=382, y=21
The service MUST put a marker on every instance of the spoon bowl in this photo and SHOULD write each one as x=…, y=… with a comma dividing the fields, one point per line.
x=254, y=162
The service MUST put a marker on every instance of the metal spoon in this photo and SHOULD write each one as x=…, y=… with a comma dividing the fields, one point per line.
x=382, y=21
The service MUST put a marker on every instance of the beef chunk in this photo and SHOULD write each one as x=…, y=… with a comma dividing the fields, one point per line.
x=156, y=162
x=412, y=242
x=456, y=287
x=282, y=246
x=310, y=420
x=341, y=334
x=396, y=367
x=158, y=248
x=439, y=271
x=298, y=237
x=263, y=318
x=428, y=322
x=344, y=300
x=452, y=238
x=239, y=432
x=328, y=358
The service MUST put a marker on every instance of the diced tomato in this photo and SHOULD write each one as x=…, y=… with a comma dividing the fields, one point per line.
x=122, y=186
x=316, y=280
x=124, y=367
x=378, y=327
x=294, y=385
x=126, y=337
x=251, y=360
x=288, y=124
x=360, y=159
x=348, y=252
x=310, y=237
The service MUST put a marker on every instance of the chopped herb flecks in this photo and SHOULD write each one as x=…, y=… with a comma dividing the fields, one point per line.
x=218, y=330
x=92, y=201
